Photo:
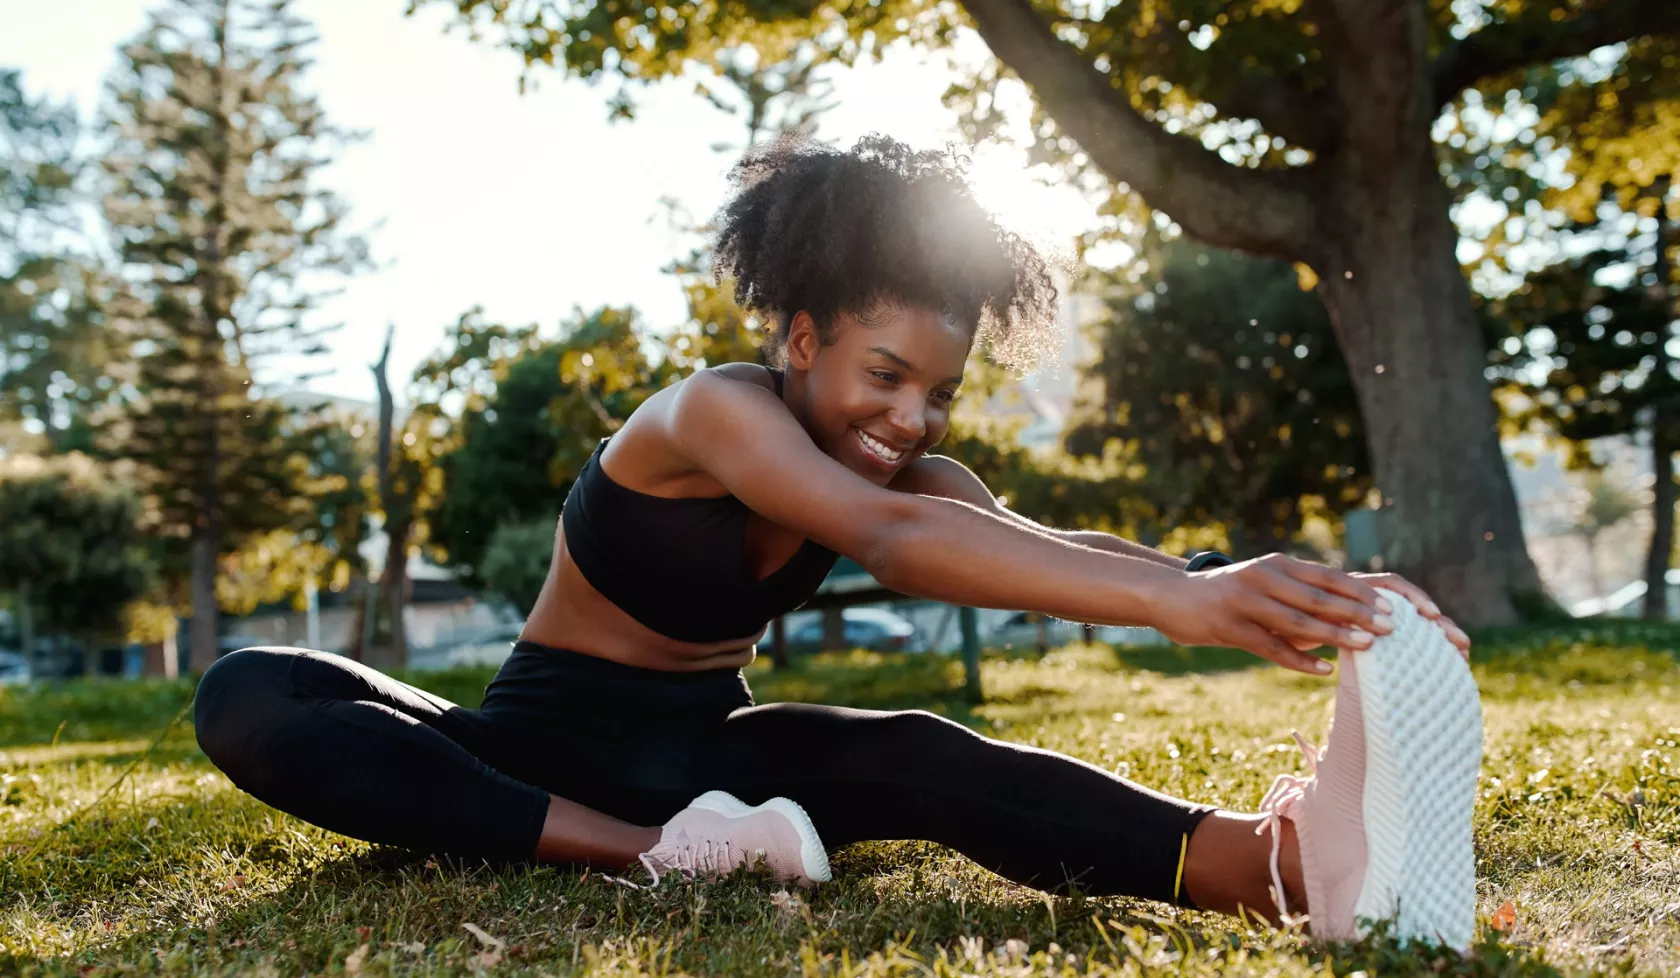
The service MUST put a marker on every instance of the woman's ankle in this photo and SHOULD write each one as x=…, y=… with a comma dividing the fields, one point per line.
x=1228, y=866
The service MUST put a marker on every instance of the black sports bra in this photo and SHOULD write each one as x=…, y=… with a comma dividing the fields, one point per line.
x=679, y=566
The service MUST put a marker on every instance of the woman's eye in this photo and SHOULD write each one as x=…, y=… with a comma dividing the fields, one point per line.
x=946, y=396
x=885, y=377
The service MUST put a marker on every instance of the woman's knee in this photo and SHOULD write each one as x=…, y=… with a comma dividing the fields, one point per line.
x=239, y=697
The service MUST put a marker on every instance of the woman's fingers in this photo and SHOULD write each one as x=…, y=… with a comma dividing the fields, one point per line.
x=1406, y=589
x=1269, y=646
x=1296, y=627
x=1327, y=605
x=1336, y=582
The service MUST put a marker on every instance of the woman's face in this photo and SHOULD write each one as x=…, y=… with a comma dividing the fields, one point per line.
x=880, y=395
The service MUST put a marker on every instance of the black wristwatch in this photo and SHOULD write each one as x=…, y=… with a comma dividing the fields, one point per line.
x=1207, y=559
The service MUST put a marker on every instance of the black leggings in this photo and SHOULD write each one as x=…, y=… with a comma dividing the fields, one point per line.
x=352, y=750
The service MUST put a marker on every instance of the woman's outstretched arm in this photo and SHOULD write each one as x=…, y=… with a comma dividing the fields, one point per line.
x=939, y=475
x=947, y=550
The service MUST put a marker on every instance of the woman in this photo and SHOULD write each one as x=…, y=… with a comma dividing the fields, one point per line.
x=622, y=729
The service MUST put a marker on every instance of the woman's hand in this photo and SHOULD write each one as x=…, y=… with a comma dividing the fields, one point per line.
x=1278, y=607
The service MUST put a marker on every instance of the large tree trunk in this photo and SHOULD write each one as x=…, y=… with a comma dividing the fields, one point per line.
x=1390, y=277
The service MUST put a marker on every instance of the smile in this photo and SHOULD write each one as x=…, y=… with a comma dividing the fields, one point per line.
x=878, y=449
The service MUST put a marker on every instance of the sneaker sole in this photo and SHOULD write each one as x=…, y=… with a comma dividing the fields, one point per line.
x=1423, y=748
x=812, y=855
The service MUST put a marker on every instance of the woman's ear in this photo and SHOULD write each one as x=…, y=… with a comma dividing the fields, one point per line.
x=802, y=341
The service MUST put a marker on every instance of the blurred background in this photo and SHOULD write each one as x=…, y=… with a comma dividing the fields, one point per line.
x=310, y=312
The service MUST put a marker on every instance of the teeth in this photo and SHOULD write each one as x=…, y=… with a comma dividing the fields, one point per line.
x=880, y=448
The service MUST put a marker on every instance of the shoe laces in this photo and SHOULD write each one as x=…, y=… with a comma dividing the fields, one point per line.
x=691, y=857
x=1284, y=800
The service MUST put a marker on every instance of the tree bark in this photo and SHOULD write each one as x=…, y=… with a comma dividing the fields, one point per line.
x=1390, y=277
x=1662, y=432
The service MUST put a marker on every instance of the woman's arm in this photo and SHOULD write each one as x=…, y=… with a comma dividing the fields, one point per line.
x=939, y=475
x=948, y=550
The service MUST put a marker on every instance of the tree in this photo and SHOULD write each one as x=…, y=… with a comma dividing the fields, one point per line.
x=1584, y=344
x=517, y=560
x=224, y=234
x=537, y=412
x=1599, y=506
x=57, y=364
x=1224, y=381
x=72, y=549
x=1613, y=123
x=1292, y=131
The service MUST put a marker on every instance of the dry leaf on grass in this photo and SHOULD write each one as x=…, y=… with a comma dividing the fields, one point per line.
x=1504, y=917
x=353, y=963
x=494, y=943
x=233, y=884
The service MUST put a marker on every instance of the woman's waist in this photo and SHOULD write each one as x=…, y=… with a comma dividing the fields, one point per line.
x=566, y=685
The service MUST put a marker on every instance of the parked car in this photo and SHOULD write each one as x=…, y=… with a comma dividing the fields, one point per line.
x=874, y=629
x=14, y=669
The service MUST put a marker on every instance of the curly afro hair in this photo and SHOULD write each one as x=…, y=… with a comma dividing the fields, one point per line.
x=816, y=229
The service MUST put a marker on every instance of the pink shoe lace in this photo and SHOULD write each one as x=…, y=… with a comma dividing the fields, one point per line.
x=1284, y=800
x=682, y=854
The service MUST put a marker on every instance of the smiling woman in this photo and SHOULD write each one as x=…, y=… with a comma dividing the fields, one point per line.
x=622, y=727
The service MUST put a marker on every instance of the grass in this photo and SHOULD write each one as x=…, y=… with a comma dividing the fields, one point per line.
x=176, y=872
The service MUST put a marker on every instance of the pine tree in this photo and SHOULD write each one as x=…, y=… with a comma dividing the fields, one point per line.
x=222, y=229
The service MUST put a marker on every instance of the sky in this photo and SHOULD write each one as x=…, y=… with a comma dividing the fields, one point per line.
x=529, y=205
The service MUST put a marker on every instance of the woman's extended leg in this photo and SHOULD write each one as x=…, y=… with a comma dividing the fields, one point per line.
x=1034, y=816
x=352, y=750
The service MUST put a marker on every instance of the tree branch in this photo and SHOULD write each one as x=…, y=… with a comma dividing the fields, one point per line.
x=1258, y=211
x=1535, y=38
x=1279, y=104
x=1281, y=107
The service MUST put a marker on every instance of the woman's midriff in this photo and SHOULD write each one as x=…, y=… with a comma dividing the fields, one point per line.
x=571, y=614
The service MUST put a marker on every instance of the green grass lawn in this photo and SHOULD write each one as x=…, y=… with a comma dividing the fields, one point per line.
x=174, y=871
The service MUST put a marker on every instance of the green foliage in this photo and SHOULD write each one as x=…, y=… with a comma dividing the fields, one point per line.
x=71, y=542
x=1577, y=340
x=1224, y=382
x=516, y=562
x=56, y=362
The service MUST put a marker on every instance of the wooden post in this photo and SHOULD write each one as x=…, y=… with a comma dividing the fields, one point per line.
x=779, y=657
x=969, y=620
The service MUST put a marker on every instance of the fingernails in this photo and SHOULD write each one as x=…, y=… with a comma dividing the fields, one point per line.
x=1383, y=624
x=1384, y=605
x=1320, y=666
x=1430, y=609
x=1359, y=636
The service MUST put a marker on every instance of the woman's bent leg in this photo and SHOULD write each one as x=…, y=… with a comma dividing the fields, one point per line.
x=349, y=749
x=1034, y=816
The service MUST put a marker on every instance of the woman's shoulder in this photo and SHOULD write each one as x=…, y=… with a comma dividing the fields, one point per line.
x=750, y=373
